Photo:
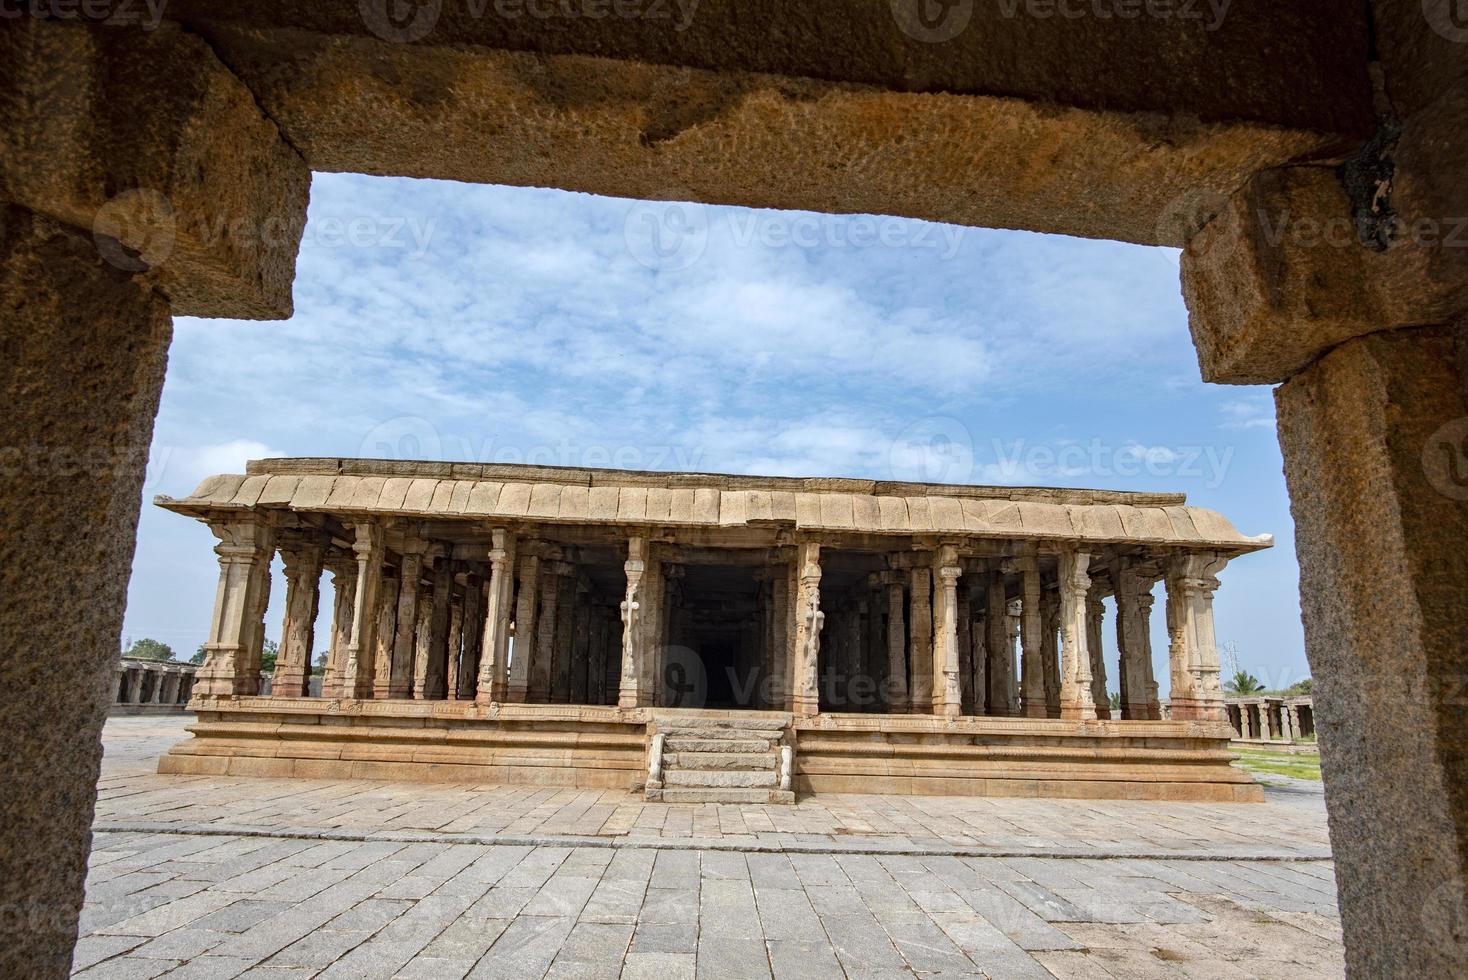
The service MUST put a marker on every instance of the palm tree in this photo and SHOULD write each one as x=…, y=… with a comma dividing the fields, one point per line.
x=1243, y=684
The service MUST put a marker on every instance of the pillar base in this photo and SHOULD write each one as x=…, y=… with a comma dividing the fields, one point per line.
x=1082, y=712
x=1188, y=709
x=1037, y=711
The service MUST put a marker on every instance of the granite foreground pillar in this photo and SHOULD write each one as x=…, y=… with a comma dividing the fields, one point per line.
x=1375, y=441
x=71, y=488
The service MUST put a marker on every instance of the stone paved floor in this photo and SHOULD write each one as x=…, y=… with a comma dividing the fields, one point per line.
x=279, y=879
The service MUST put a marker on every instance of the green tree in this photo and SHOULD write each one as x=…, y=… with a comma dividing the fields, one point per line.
x=1299, y=688
x=1243, y=684
x=1115, y=701
x=199, y=655
x=149, y=649
x=268, y=655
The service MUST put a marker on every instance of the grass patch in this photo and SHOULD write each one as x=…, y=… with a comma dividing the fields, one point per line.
x=1280, y=763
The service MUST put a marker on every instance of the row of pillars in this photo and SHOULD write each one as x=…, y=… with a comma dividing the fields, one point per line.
x=141, y=683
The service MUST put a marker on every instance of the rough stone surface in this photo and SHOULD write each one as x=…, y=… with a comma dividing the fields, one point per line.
x=1280, y=277
x=156, y=148
x=1378, y=492
x=82, y=354
x=661, y=132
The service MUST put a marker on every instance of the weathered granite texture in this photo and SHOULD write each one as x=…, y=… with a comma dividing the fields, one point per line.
x=82, y=353
x=1381, y=507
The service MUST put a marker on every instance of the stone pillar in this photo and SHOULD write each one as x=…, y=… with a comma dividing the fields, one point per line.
x=778, y=639
x=920, y=639
x=398, y=682
x=653, y=629
x=1134, y=639
x=896, y=649
x=526, y=605
x=1032, y=660
x=1095, y=617
x=156, y=694
x=237, y=634
x=495, y=646
x=581, y=645
x=302, y=561
x=542, y=667
x=430, y=674
x=1050, y=649
x=1294, y=712
x=980, y=680
x=1192, y=579
x=1077, y=700
x=947, y=695
x=1013, y=617
x=387, y=618
x=456, y=645
x=809, y=619
x=565, y=635
x=629, y=686
x=472, y=632
x=998, y=646
x=966, y=651
x=362, y=642
x=344, y=589
x=1246, y=720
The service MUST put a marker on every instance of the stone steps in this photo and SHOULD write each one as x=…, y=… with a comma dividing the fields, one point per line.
x=721, y=760
x=719, y=778
x=691, y=794
x=679, y=746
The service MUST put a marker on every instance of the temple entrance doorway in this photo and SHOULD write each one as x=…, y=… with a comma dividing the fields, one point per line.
x=720, y=637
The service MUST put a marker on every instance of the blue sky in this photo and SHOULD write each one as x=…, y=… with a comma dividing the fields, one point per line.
x=442, y=320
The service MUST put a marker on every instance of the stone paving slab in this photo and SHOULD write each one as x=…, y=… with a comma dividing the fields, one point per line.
x=255, y=878
x=1290, y=824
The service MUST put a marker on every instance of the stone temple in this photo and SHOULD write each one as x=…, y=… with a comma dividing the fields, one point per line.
x=707, y=637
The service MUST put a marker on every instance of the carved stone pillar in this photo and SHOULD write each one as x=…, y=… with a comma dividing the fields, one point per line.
x=302, y=560
x=526, y=606
x=653, y=627
x=897, y=699
x=1077, y=702
x=456, y=644
x=808, y=622
x=947, y=695
x=1095, y=614
x=998, y=645
x=966, y=651
x=1050, y=650
x=473, y=637
x=399, y=680
x=368, y=548
x=422, y=643
x=1192, y=579
x=920, y=639
x=1134, y=638
x=1012, y=622
x=581, y=646
x=344, y=588
x=545, y=635
x=237, y=633
x=430, y=676
x=388, y=600
x=629, y=686
x=1032, y=627
x=565, y=634
x=495, y=646
x=778, y=639
x=978, y=637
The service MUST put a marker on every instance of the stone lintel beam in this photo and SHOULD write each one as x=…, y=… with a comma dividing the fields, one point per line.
x=1280, y=276
x=741, y=133
x=1373, y=436
x=1212, y=60
x=145, y=141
